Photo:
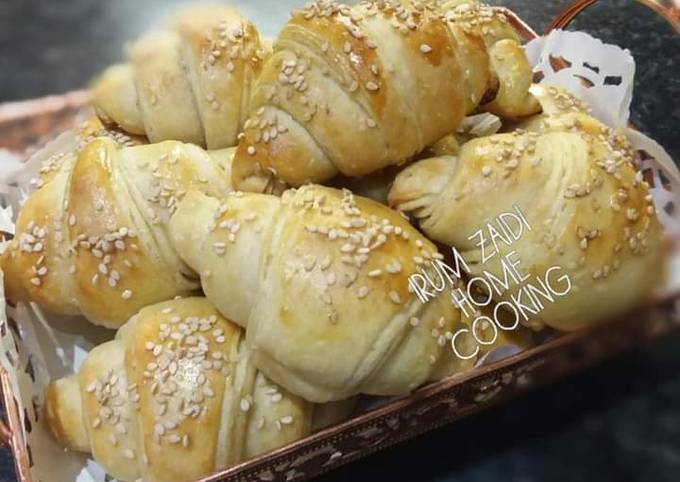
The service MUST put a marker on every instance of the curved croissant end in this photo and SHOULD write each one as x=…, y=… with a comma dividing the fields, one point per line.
x=115, y=99
x=415, y=187
x=190, y=83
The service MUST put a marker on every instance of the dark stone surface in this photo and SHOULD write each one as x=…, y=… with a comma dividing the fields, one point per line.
x=620, y=421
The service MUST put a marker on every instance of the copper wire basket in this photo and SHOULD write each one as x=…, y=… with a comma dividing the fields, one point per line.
x=25, y=124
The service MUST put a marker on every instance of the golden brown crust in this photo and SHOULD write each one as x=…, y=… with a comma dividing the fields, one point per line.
x=173, y=398
x=91, y=238
x=575, y=181
x=108, y=410
x=323, y=270
x=352, y=90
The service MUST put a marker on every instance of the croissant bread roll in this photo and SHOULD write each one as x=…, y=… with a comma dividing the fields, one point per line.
x=190, y=82
x=93, y=239
x=319, y=277
x=174, y=397
x=586, y=210
x=352, y=90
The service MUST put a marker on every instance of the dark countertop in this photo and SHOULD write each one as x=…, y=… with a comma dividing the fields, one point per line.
x=619, y=421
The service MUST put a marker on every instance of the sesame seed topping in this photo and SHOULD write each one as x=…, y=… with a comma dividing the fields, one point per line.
x=287, y=420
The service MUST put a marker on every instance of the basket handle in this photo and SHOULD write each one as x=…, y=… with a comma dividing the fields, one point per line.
x=668, y=9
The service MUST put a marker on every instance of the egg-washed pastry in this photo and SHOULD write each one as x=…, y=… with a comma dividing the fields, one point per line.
x=588, y=212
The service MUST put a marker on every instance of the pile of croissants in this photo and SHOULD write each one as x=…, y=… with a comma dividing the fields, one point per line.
x=217, y=213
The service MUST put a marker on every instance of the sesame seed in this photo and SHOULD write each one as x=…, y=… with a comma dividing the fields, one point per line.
x=394, y=296
x=347, y=248
x=287, y=420
x=126, y=295
x=426, y=49
x=394, y=267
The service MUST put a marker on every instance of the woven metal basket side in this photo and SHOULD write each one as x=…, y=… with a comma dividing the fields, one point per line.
x=29, y=123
